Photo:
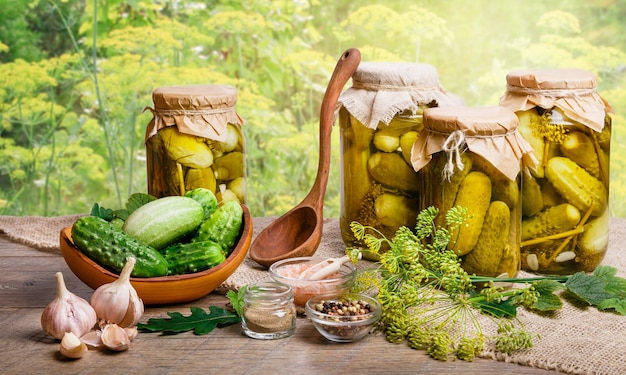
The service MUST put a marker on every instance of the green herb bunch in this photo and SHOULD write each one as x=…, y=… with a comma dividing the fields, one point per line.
x=431, y=302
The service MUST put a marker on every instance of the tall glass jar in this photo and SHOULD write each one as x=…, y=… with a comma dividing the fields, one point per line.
x=194, y=140
x=380, y=117
x=268, y=310
x=565, y=228
x=472, y=158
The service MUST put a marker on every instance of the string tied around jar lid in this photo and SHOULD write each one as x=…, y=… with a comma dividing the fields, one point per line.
x=453, y=146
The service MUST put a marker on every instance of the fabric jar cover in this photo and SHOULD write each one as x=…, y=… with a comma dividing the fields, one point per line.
x=571, y=90
x=381, y=90
x=490, y=132
x=198, y=110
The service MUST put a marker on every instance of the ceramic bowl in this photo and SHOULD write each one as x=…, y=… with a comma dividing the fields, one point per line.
x=164, y=289
x=345, y=326
x=287, y=270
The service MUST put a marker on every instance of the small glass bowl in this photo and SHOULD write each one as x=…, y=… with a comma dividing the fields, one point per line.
x=287, y=270
x=346, y=327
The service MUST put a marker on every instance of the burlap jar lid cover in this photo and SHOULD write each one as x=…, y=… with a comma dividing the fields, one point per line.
x=380, y=91
x=490, y=132
x=198, y=110
x=571, y=90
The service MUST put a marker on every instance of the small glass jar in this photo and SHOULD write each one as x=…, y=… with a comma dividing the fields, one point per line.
x=472, y=158
x=195, y=140
x=380, y=117
x=268, y=311
x=565, y=228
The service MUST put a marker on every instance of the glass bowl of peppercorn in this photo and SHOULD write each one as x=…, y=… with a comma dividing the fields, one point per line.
x=343, y=318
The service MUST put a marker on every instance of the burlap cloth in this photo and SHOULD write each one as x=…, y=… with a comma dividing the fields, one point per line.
x=574, y=340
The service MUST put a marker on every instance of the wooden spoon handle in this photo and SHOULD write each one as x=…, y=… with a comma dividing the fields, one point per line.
x=345, y=68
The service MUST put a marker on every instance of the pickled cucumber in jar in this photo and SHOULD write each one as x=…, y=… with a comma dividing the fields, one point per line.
x=470, y=159
x=379, y=184
x=380, y=119
x=571, y=188
x=565, y=223
x=198, y=145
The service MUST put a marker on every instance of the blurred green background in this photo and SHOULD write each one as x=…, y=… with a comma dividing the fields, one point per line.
x=75, y=77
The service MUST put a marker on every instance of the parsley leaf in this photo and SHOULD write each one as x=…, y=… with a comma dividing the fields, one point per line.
x=236, y=299
x=199, y=321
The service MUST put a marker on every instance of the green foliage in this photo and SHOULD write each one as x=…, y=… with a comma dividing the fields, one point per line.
x=71, y=120
x=199, y=321
x=428, y=299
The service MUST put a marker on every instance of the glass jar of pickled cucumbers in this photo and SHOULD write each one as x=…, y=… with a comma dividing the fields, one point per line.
x=471, y=158
x=565, y=225
x=380, y=116
x=195, y=140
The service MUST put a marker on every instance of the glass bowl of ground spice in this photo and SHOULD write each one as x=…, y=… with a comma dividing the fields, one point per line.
x=290, y=271
x=344, y=318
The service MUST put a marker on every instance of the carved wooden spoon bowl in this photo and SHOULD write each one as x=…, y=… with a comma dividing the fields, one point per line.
x=299, y=231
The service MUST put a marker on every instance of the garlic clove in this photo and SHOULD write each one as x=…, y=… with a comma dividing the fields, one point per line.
x=131, y=332
x=67, y=312
x=72, y=347
x=118, y=301
x=114, y=337
x=92, y=339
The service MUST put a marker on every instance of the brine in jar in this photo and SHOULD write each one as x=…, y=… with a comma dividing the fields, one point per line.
x=380, y=117
x=195, y=140
x=471, y=158
x=565, y=227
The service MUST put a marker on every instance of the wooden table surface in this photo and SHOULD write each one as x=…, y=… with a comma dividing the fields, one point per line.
x=27, y=285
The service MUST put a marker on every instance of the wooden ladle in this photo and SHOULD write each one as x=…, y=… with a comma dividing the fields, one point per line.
x=299, y=231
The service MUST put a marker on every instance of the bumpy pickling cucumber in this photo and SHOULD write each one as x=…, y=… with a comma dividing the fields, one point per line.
x=109, y=246
x=475, y=195
x=485, y=257
x=206, y=198
x=552, y=220
x=183, y=258
x=223, y=226
x=576, y=185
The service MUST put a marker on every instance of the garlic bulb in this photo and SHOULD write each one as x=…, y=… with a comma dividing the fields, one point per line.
x=115, y=337
x=71, y=346
x=118, y=301
x=67, y=313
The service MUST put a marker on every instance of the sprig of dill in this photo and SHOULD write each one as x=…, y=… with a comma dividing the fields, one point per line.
x=430, y=301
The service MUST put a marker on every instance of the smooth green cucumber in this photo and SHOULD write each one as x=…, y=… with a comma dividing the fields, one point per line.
x=109, y=246
x=163, y=221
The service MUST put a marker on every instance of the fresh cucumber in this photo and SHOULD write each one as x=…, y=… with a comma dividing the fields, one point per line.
x=109, y=246
x=161, y=222
x=183, y=258
x=223, y=226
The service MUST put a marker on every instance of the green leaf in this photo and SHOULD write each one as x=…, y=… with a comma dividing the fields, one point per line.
x=101, y=212
x=236, y=299
x=199, y=321
x=547, y=300
x=618, y=304
x=614, y=284
x=504, y=308
x=137, y=200
x=588, y=288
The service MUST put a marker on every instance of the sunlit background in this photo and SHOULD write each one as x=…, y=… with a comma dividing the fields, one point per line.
x=75, y=77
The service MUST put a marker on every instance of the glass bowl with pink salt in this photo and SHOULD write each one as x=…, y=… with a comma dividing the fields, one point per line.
x=288, y=271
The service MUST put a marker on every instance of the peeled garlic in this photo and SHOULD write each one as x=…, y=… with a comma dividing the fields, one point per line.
x=115, y=337
x=71, y=346
x=118, y=301
x=67, y=313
